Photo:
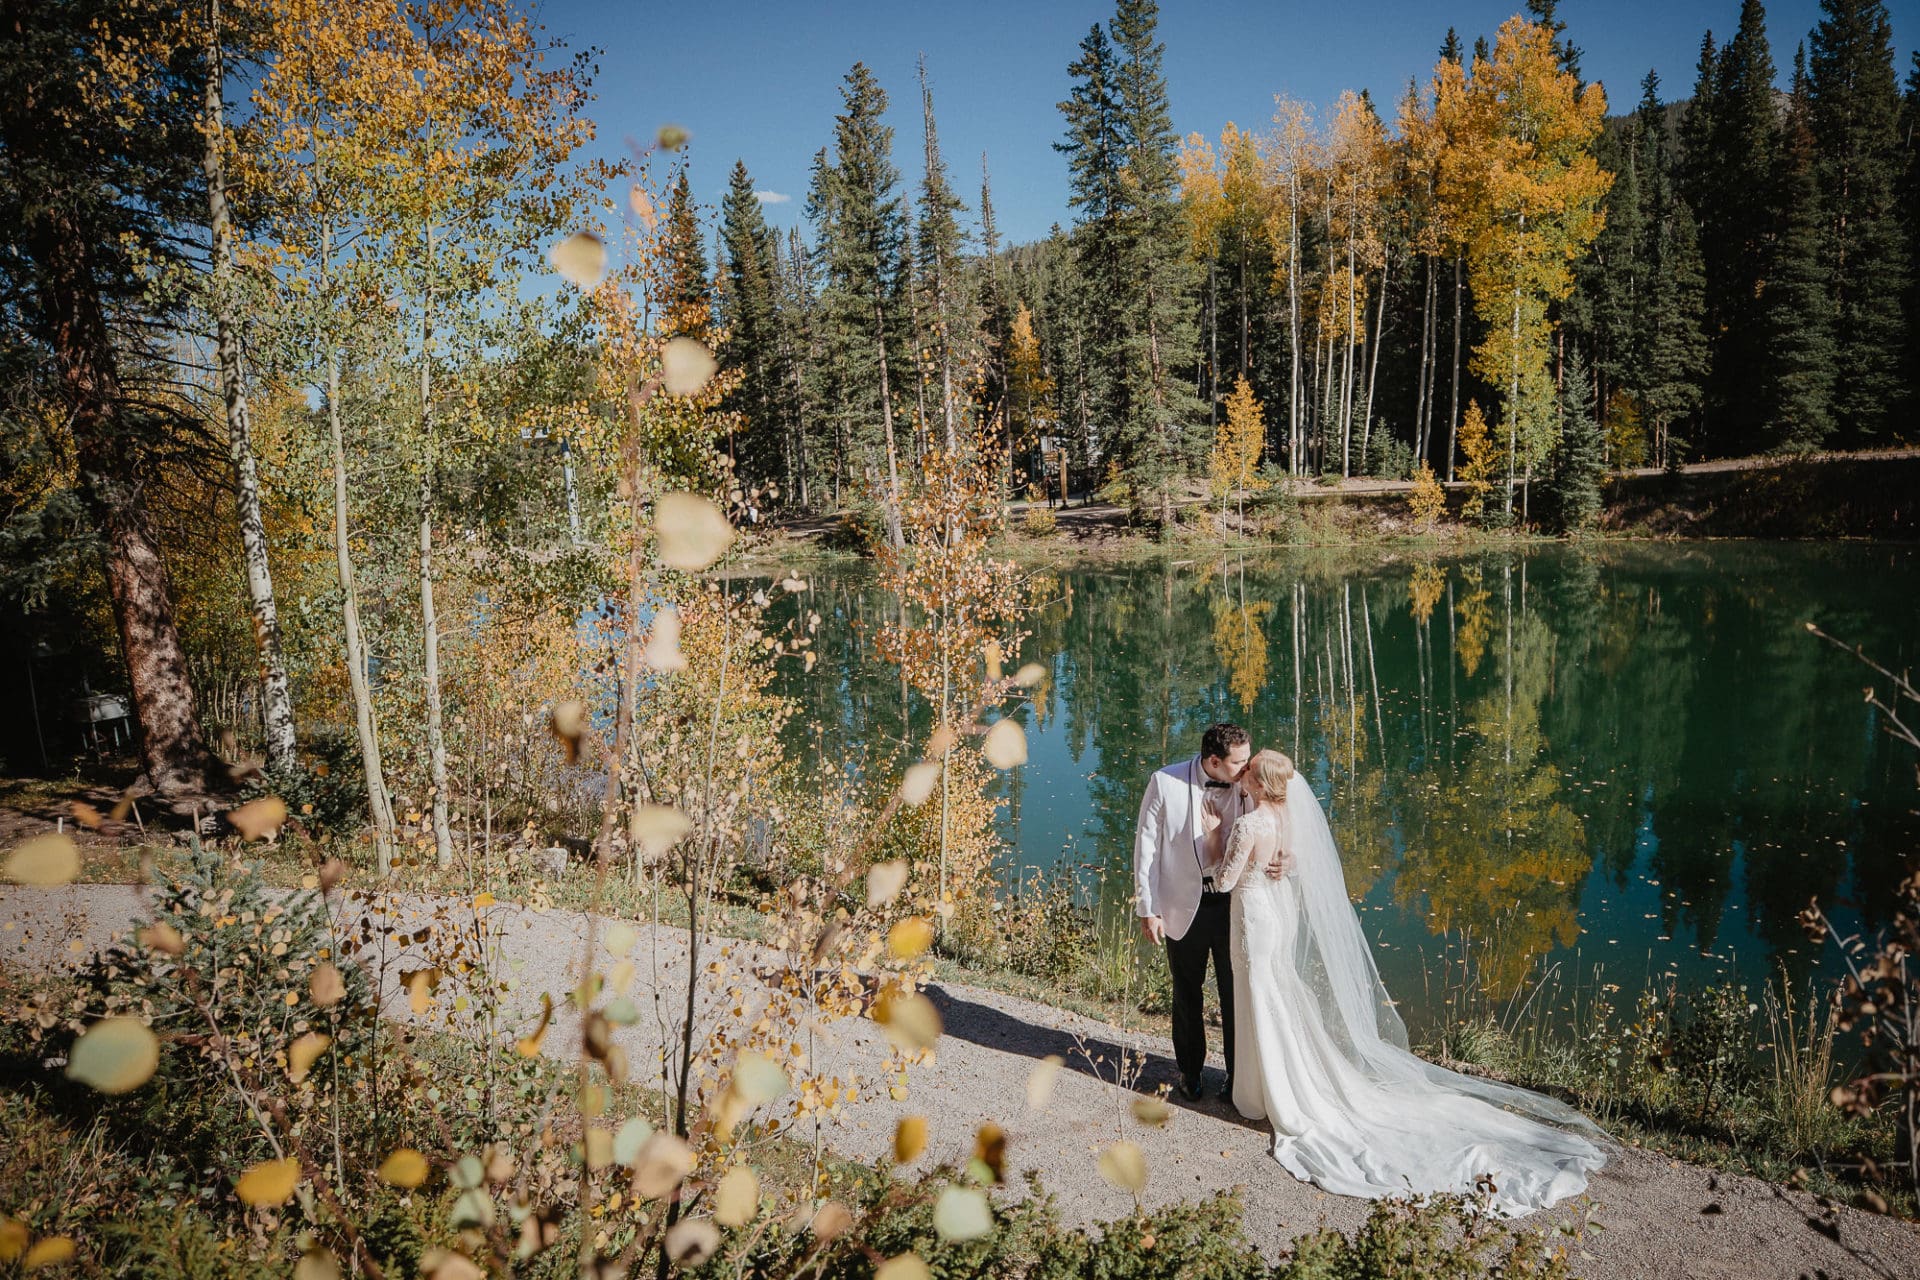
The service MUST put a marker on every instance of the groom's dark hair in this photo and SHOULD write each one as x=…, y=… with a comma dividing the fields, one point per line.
x=1222, y=738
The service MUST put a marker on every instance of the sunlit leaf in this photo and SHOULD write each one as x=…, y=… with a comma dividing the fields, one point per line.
x=14, y=1238
x=793, y=586
x=910, y=937
x=672, y=137
x=1030, y=675
x=420, y=985
x=663, y=1163
x=656, y=828
x=569, y=721
x=1041, y=1080
x=326, y=986
x=1125, y=1166
x=907, y=1266
x=44, y=860
x=303, y=1052
x=692, y=531
x=758, y=1078
x=620, y=938
x=909, y=1139
x=642, y=206
x=269, y=1183
x=50, y=1252
x=599, y=1146
x=1005, y=745
x=885, y=880
x=259, y=819
x=316, y=1264
x=663, y=642
x=405, y=1168
x=686, y=366
x=86, y=815
x=990, y=1150
x=1152, y=1111
x=691, y=1241
x=115, y=1055
x=581, y=259
x=961, y=1213
x=443, y=1265
x=912, y=1022
x=919, y=783
x=738, y=1198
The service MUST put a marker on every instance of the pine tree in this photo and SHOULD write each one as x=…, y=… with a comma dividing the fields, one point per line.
x=1545, y=12
x=1800, y=310
x=1910, y=202
x=1670, y=385
x=1854, y=113
x=1095, y=151
x=749, y=278
x=1730, y=164
x=689, y=302
x=1577, y=465
x=939, y=244
x=862, y=234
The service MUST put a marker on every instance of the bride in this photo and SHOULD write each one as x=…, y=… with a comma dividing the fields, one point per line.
x=1322, y=1055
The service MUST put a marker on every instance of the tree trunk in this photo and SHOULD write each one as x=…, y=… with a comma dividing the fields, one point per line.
x=276, y=702
x=379, y=803
x=1453, y=405
x=172, y=749
x=429, y=618
x=1293, y=323
x=1373, y=357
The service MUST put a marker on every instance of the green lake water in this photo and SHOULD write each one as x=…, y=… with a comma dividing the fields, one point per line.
x=1624, y=766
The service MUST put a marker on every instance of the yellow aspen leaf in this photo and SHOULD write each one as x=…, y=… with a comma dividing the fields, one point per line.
x=114, y=1055
x=1006, y=744
x=163, y=938
x=910, y=937
x=758, y=1078
x=316, y=1264
x=528, y=1046
x=1041, y=1080
x=259, y=819
x=830, y=1221
x=569, y=721
x=599, y=1147
x=990, y=1150
x=405, y=1168
x=692, y=531
x=86, y=815
x=1029, y=676
x=663, y=642
x=691, y=1241
x=686, y=366
x=269, y=1184
x=302, y=1053
x=885, y=880
x=420, y=985
x=1152, y=1112
x=919, y=782
x=1125, y=1166
x=483, y=900
x=656, y=828
x=672, y=137
x=50, y=1252
x=909, y=1139
x=326, y=986
x=620, y=938
x=642, y=206
x=912, y=1023
x=663, y=1164
x=738, y=1198
x=44, y=860
x=14, y=1238
x=906, y=1266
x=581, y=259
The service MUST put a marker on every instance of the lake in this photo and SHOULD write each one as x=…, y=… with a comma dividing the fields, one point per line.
x=1621, y=766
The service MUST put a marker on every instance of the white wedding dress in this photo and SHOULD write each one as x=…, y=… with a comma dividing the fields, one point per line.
x=1322, y=1055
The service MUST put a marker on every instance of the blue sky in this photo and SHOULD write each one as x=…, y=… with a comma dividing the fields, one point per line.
x=760, y=81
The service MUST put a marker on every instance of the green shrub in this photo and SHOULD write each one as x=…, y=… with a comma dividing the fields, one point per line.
x=1040, y=522
x=327, y=791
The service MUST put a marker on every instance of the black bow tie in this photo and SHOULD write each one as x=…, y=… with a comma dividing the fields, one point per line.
x=1212, y=783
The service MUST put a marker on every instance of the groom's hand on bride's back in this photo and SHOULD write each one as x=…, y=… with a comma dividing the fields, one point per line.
x=1155, y=929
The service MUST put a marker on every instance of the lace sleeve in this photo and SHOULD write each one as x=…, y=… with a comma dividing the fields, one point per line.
x=1240, y=851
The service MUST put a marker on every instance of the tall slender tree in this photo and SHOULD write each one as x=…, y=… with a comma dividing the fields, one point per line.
x=939, y=243
x=747, y=306
x=1801, y=367
x=1854, y=115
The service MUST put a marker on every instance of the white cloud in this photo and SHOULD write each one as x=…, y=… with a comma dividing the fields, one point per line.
x=772, y=197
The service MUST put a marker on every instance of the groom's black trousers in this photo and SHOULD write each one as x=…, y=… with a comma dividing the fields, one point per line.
x=1210, y=935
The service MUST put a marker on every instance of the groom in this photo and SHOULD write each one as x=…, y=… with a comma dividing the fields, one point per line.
x=1173, y=867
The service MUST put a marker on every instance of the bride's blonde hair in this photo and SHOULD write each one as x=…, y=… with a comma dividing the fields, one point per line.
x=1271, y=771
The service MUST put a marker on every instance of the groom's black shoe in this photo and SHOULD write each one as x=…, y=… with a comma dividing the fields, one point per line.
x=1190, y=1090
x=1226, y=1091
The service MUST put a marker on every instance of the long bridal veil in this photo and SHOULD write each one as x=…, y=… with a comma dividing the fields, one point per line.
x=1353, y=1109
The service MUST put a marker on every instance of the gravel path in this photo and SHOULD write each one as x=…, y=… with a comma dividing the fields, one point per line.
x=1660, y=1217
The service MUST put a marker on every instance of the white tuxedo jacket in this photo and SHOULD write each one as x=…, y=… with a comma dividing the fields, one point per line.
x=1167, y=845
